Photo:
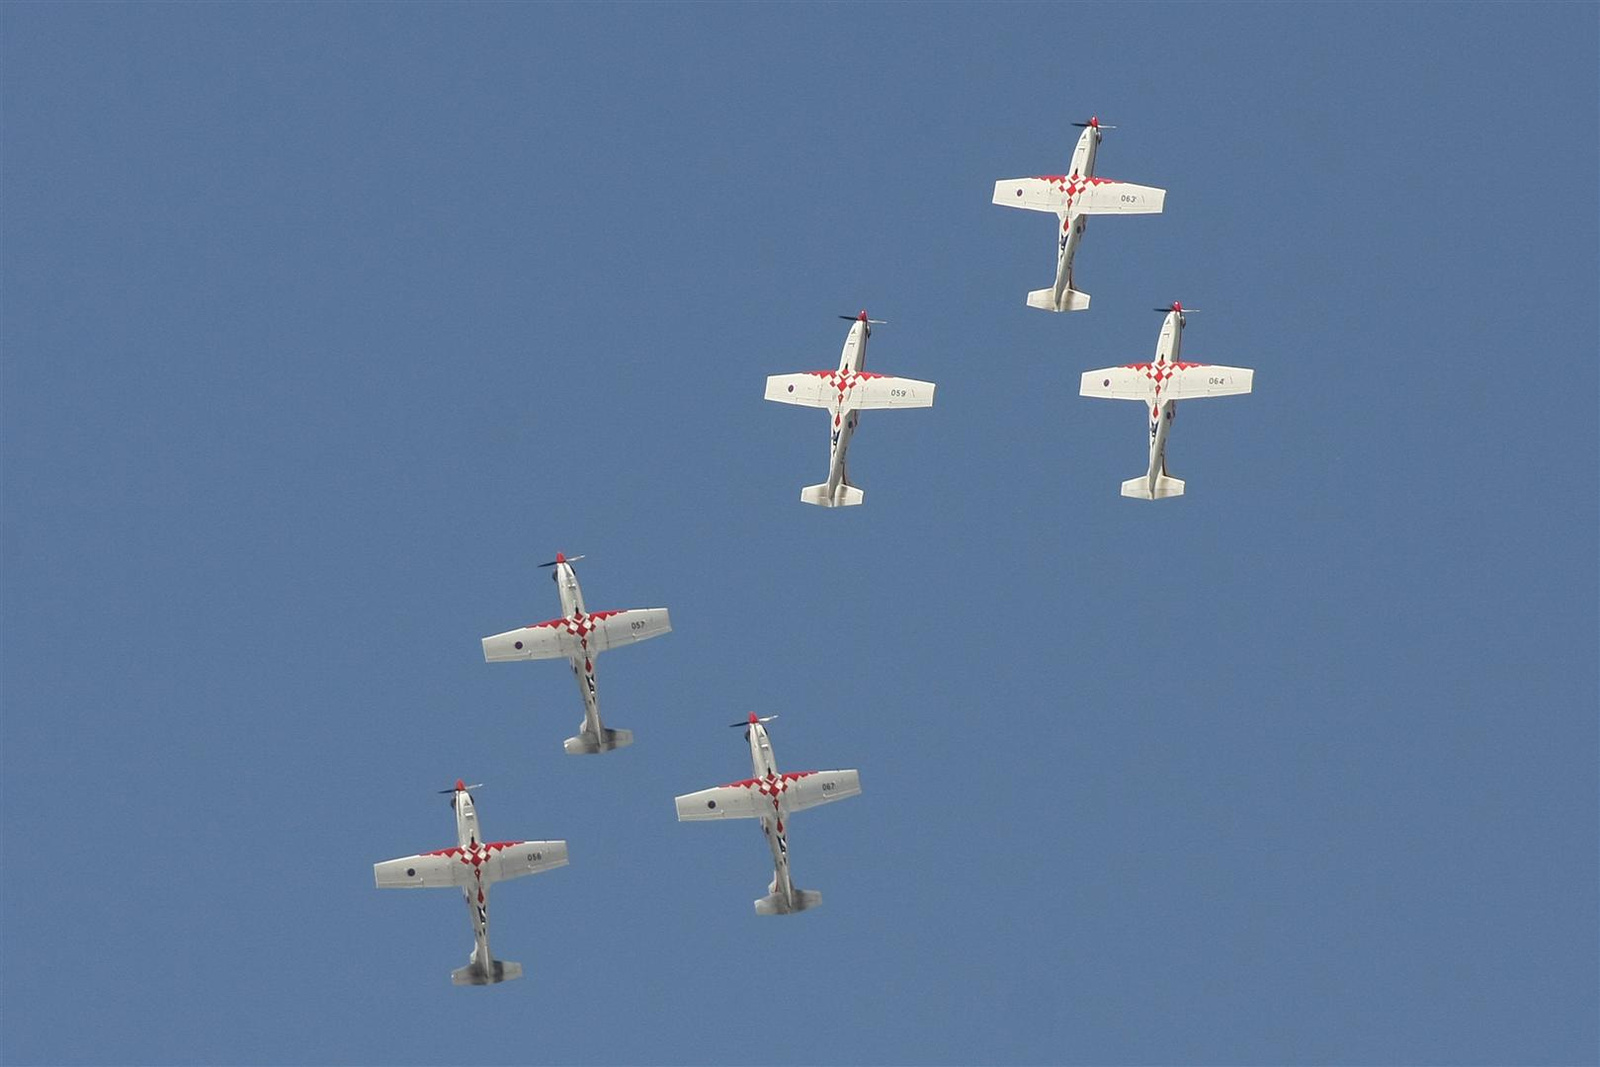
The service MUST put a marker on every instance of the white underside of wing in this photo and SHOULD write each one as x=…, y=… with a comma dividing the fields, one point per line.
x=1208, y=379
x=1117, y=383
x=722, y=802
x=822, y=787
x=805, y=389
x=1104, y=197
x=420, y=872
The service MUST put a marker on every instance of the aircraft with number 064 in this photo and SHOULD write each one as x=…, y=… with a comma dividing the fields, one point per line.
x=845, y=393
x=580, y=636
x=1071, y=197
x=472, y=867
x=772, y=798
x=1159, y=385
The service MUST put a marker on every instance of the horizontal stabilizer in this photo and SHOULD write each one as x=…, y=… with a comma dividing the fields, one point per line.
x=587, y=744
x=1071, y=300
x=1139, y=487
x=775, y=904
x=843, y=497
x=497, y=971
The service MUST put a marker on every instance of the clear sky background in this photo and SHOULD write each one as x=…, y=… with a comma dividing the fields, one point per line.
x=324, y=324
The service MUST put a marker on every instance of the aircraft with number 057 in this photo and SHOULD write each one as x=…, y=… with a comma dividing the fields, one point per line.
x=472, y=867
x=772, y=798
x=845, y=393
x=1159, y=385
x=1072, y=197
x=580, y=636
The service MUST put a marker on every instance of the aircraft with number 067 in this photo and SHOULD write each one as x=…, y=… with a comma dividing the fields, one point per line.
x=845, y=393
x=1160, y=385
x=580, y=636
x=772, y=798
x=472, y=867
x=1071, y=197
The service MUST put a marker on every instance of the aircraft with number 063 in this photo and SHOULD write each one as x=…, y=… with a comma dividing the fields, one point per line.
x=772, y=798
x=580, y=636
x=1071, y=197
x=1159, y=385
x=472, y=867
x=845, y=393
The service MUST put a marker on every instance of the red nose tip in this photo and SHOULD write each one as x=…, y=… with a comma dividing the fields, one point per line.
x=863, y=315
x=1094, y=120
x=460, y=785
x=753, y=719
x=561, y=557
x=1177, y=307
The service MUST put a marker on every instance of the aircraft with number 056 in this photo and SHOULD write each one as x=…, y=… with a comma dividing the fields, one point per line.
x=1159, y=385
x=1072, y=197
x=772, y=798
x=845, y=393
x=472, y=867
x=580, y=636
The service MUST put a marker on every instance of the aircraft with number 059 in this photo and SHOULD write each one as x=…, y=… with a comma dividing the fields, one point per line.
x=1071, y=197
x=1160, y=385
x=772, y=798
x=845, y=393
x=580, y=636
x=472, y=867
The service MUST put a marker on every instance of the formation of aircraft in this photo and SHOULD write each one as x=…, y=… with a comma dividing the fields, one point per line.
x=768, y=796
x=845, y=393
x=472, y=867
x=579, y=636
x=771, y=797
x=1159, y=385
x=1073, y=197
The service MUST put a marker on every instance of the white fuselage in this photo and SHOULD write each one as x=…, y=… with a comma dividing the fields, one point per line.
x=763, y=767
x=1162, y=412
x=852, y=359
x=1072, y=225
x=476, y=893
x=582, y=665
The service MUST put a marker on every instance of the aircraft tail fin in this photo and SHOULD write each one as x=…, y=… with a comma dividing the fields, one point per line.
x=775, y=904
x=497, y=971
x=843, y=497
x=587, y=744
x=1071, y=300
x=1139, y=487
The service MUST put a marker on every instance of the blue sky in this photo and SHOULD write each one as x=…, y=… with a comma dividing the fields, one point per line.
x=323, y=325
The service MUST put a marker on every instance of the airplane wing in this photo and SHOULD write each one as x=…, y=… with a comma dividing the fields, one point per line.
x=1103, y=196
x=737, y=801
x=1173, y=381
x=453, y=867
x=432, y=870
x=560, y=638
x=1030, y=194
x=1065, y=194
x=513, y=859
x=542, y=640
x=822, y=787
x=811, y=389
x=880, y=391
x=1118, y=383
x=1196, y=380
x=826, y=388
x=613, y=629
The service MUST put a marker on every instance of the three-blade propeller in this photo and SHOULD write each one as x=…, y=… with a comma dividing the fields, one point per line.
x=1179, y=308
x=752, y=720
x=458, y=787
x=561, y=557
x=1094, y=123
